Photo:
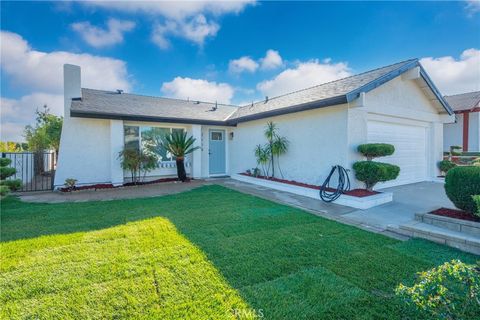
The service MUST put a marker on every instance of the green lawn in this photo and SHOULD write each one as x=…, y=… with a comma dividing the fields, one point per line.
x=210, y=253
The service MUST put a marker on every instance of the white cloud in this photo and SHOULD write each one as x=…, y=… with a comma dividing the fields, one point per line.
x=98, y=37
x=196, y=29
x=304, y=75
x=17, y=113
x=42, y=71
x=198, y=89
x=41, y=74
x=183, y=19
x=243, y=64
x=176, y=10
x=452, y=75
x=472, y=7
x=272, y=60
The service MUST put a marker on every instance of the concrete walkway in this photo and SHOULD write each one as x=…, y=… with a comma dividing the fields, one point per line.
x=408, y=199
x=152, y=190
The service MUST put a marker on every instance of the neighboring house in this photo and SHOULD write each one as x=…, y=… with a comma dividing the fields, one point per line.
x=465, y=132
x=396, y=104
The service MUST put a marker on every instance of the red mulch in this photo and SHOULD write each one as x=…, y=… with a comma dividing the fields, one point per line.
x=354, y=193
x=111, y=186
x=454, y=213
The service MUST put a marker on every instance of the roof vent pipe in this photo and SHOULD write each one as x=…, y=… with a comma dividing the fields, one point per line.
x=266, y=99
x=119, y=91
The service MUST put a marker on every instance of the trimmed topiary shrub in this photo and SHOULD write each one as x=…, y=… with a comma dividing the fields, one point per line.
x=446, y=165
x=13, y=185
x=461, y=183
x=371, y=172
x=5, y=172
x=375, y=150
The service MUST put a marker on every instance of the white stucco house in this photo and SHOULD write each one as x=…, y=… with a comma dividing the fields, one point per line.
x=397, y=104
x=465, y=131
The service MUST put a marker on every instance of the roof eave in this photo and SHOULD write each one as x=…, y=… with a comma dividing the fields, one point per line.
x=354, y=94
x=435, y=90
x=113, y=116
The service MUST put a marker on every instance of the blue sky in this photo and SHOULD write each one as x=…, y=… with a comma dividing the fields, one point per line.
x=233, y=52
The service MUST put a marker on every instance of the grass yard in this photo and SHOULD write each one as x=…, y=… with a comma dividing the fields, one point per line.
x=210, y=253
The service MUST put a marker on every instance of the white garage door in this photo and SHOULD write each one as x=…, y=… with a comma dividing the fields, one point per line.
x=410, y=150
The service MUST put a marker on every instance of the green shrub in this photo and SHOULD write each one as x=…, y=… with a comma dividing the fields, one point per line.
x=476, y=199
x=449, y=291
x=4, y=190
x=461, y=183
x=13, y=185
x=446, y=165
x=5, y=162
x=375, y=150
x=6, y=172
x=371, y=172
x=476, y=162
x=456, y=150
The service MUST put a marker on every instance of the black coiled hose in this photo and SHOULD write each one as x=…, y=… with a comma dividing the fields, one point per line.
x=342, y=186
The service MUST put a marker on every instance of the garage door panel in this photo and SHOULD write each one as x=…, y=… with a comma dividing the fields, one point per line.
x=410, y=150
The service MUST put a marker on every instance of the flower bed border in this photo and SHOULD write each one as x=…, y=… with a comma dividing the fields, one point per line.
x=354, y=193
x=346, y=200
x=465, y=226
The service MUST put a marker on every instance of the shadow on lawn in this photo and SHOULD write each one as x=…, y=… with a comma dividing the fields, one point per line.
x=284, y=262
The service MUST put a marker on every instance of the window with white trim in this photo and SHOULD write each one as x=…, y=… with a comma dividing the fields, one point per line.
x=149, y=138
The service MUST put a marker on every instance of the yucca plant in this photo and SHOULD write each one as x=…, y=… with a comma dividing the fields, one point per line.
x=263, y=155
x=276, y=144
x=179, y=146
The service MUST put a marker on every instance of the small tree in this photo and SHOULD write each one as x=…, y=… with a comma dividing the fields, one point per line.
x=138, y=162
x=371, y=172
x=179, y=146
x=43, y=136
x=5, y=172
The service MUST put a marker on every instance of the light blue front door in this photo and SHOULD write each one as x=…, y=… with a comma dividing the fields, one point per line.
x=216, y=151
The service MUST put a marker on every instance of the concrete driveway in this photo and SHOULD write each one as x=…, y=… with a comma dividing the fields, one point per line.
x=407, y=200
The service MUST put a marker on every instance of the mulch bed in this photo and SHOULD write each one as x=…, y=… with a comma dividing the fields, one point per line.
x=454, y=213
x=111, y=186
x=354, y=193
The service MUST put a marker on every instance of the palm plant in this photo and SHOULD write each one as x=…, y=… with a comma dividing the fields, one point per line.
x=263, y=155
x=276, y=144
x=279, y=147
x=179, y=146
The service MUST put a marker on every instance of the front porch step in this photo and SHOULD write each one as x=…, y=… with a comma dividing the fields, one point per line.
x=459, y=240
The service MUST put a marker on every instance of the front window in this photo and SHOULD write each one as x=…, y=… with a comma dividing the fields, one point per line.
x=150, y=139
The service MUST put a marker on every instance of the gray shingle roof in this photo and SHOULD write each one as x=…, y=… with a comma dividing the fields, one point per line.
x=320, y=92
x=112, y=105
x=464, y=101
